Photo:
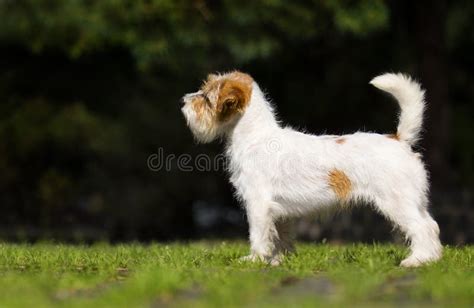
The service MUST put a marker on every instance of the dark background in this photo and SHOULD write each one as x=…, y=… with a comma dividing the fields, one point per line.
x=90, y=89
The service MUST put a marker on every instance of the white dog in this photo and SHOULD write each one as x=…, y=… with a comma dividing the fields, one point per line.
x=280, y=173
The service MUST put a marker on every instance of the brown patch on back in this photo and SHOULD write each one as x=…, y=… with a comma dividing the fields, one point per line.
x=340, y=140
x=393, y=136
x=235, y=90
x=340, y=183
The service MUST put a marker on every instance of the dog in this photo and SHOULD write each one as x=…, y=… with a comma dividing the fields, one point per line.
x=280, y=174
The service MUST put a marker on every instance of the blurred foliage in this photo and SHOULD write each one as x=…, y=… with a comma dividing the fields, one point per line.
x=166, y=31
x=89, y=89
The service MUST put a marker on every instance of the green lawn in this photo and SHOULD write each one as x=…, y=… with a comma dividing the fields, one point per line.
x=209, y=274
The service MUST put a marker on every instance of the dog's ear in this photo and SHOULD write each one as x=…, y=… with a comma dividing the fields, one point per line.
x=234, y=96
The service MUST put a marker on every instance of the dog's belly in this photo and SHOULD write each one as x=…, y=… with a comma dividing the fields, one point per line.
x=298, y=208
x=304, y=194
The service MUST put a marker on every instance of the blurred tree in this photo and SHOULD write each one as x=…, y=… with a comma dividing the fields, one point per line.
x=431, y=42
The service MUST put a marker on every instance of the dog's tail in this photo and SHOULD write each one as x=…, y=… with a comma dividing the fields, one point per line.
x=411, y=99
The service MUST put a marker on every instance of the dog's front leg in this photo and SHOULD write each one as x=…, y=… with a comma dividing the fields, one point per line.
x=263, y=233
x=286, y=234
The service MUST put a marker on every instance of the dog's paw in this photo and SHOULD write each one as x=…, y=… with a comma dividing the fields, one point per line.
x=415, y=261
x=273, y=261
x=276, y=260
x=410, y=262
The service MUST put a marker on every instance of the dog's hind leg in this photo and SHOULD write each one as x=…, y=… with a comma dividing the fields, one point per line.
x=412, y=218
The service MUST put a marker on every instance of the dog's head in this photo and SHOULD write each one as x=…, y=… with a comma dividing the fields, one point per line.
x=218, y=104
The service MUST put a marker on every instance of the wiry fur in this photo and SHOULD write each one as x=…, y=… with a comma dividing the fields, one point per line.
x=411, y=98
x=281, y=174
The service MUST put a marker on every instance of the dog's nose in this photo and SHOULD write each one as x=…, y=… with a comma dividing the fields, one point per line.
x=185, y=99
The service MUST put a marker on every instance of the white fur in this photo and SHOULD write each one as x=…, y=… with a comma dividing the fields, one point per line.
x=410, y=96
x=281, y=174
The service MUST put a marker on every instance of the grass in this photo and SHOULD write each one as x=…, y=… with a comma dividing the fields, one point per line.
x=209, y=275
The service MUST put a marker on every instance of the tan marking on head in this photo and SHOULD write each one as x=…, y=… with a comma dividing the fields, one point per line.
x=340, y=183
x=210, y=111
x=211, y=84
x=235, y=91
x=199, y=106
x=340, y=140
x=239, y=76
x=393, y=136
x=221, y=97
x=211, y=77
